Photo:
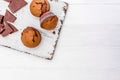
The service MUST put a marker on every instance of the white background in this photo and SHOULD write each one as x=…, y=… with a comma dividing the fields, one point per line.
x=88, y=49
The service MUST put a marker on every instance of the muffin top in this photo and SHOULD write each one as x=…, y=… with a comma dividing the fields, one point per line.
x=31, y=37
x=39, y=7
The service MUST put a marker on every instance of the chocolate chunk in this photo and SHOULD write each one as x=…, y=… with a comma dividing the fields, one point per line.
x=8, y=0
x=7, y=30
x=12, y=27
x=1, y=25
x=1, y=28
x=9, y=17
x=1, y=19
x=15, y=5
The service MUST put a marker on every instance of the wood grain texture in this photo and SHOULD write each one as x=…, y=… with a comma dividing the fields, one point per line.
x=88, y=48
x=92, y=1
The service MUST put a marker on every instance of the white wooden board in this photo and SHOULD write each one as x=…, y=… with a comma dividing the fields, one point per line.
x=24, y=19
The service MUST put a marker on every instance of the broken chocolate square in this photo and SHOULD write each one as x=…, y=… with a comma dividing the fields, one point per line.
x=15, y=5
x=1, y=19
x=9, y=17
x=1, y=28
x=7, y=30
x=12, y=27
x=8, y=0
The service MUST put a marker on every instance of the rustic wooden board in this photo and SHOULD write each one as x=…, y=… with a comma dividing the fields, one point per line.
x=24, y=18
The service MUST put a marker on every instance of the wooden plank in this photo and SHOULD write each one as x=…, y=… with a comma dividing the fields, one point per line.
x=91, y=1
x=93, y=14
x=91, y=35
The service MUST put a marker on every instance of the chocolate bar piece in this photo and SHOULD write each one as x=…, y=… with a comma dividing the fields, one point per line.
x=9, y=17
x=1, y=19
x=7, y=30
x=15, y=5
x=8, y=0
x=1, y=28
x=12, y=27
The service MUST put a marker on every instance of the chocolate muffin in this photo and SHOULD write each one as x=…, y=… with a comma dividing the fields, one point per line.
x=31, y=37
x=48, y=21
x=38, y=7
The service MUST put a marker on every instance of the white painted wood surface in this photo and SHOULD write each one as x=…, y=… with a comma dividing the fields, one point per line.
x=88, y=49
x=92, y=1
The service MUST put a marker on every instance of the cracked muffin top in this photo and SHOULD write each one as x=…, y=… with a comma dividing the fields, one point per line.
x=39, y=7
x=31, y=37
